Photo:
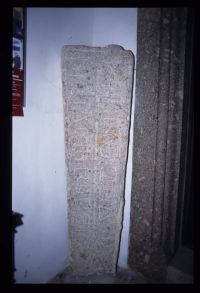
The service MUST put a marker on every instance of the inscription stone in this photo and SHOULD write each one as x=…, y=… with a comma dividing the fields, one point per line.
x=97, y=94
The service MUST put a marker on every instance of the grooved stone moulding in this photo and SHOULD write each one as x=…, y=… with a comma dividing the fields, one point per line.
x=157, y=138
x=97, y=94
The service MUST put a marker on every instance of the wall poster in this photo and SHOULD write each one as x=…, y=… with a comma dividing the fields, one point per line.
x=18, y=60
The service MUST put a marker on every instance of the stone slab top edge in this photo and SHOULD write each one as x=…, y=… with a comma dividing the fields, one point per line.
x=113, y=48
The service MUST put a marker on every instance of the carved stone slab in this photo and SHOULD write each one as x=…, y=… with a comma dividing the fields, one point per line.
x=97, y=93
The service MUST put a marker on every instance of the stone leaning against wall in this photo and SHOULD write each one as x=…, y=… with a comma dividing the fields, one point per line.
x=97, y=93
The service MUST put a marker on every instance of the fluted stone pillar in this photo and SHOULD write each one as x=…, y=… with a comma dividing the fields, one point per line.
x=157, y=137
x=97, y=93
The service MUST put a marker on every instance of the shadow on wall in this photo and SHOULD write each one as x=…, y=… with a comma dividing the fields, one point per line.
x=16, y=222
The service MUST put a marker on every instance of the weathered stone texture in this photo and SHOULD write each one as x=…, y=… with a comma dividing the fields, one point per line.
x=157, y=137
x=97, y=93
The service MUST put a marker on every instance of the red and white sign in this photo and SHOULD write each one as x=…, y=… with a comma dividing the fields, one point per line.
x=18, y=66
x=17, y=92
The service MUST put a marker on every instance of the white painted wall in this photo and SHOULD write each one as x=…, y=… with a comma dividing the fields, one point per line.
x=39, y=187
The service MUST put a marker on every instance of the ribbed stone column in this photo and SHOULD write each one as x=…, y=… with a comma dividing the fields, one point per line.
x=157, y=137
x=97, y=93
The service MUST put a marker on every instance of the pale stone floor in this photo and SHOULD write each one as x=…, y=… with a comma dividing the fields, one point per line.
x=121, y=277
x=180, y=271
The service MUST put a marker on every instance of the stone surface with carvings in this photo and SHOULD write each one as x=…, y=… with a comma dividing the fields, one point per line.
x=97, y=95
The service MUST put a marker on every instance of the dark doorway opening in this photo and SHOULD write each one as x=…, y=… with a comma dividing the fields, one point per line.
x=188, y=209
x=185, y=208
x=180, y=268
